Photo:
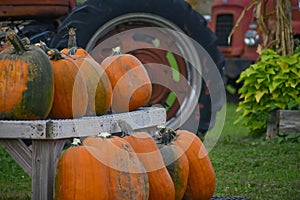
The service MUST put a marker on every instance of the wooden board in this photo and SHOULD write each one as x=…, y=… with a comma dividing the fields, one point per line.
x=85, y=126
x=289, y=121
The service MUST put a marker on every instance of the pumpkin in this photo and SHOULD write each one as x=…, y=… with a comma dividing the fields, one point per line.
x=125, y=173
x=177, y=165
x=70, y=96
x=80, y=176
x=202, y=179
x=26, y=83
x=161, y=185
x=98, y=85
x=129, y=80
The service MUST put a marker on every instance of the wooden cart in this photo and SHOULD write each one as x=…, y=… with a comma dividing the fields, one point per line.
x=49, y=137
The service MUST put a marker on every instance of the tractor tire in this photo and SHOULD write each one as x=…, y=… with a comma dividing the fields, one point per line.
x=97, y=19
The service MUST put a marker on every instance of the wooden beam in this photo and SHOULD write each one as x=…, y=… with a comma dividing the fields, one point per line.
x=20, y=152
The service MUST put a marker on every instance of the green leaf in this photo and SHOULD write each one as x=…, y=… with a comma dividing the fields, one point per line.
x=284, y=67
x=259, y=95
x=289, y=60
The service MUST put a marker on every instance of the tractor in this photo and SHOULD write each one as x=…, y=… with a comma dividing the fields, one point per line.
x=171, y=39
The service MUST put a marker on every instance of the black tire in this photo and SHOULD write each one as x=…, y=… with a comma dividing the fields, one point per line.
x=92, y=14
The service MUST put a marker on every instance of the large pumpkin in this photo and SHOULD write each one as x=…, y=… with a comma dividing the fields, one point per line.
x=125, y=173
x=160, y=181
x=98, y=86
x=202, y=178
x=80, y=176
x=26, y=82
x=177, y=165
x=97, y=82
x=70, y=96
x=129, y=79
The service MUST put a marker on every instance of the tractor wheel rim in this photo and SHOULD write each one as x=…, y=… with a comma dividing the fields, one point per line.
x=172, y=43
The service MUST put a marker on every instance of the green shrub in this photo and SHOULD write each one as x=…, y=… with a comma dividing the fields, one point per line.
x=273, y=83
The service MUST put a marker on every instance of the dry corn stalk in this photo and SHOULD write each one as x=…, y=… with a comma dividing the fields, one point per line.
x=274, y=27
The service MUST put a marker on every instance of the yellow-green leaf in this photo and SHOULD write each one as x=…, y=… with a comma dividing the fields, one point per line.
x=259, y=95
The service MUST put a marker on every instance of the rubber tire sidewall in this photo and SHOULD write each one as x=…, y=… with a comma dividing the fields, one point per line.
x=92, y=14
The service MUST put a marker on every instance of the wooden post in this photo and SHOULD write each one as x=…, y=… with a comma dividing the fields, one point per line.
x=43, y=165
x=272, y=127
x=286, y=121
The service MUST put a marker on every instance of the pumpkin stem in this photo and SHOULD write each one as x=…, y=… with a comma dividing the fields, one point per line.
x=72, y=44
x=125, y=127
x=104, y=135
x=14, y=39
x=43, y=46
x=54, y=54
x=166, y=135
x=76, y=142
x=116, y=51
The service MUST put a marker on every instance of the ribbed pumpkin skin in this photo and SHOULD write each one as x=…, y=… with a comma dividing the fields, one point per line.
x=70, y=96
x=98, y=86
x=80, y=176
x=177, y=165
x=130, y=82
x=202, y=178
x=125, y=173
x=26, y=85
x=80, y=53
x=160, y=181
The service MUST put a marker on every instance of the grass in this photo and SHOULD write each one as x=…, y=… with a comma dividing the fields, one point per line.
x=245, y=167
x=252, y=167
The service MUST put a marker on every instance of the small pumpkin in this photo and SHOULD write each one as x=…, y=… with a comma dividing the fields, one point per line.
x=129, y=80
x=26, y=82
x=161, y=185
x=80, y=176
x=70, y=96
x=176, y=162
x=202, y=179
x=97, y=82
x=125, y=173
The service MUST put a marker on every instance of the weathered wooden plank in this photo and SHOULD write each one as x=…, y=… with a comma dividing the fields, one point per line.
x=289, y=121
x=44, y=154
x=20, y=152
x=141, y=119
x=85, y=126
x=23, y=129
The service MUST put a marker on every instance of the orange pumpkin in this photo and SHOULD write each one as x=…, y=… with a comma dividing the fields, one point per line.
x=202, y=178
x=80, y=176
x=98, y=86
x=130, y=81
x=70, y=96
x=125, y=173
x=26, y=81
x=177, y=165
x=161, y=185
x=97, y=82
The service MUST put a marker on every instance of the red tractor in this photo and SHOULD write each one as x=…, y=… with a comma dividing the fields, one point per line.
x=161, y=34
x=241, y=51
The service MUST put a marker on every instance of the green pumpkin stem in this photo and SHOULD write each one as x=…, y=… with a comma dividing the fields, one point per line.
x=14, y=39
